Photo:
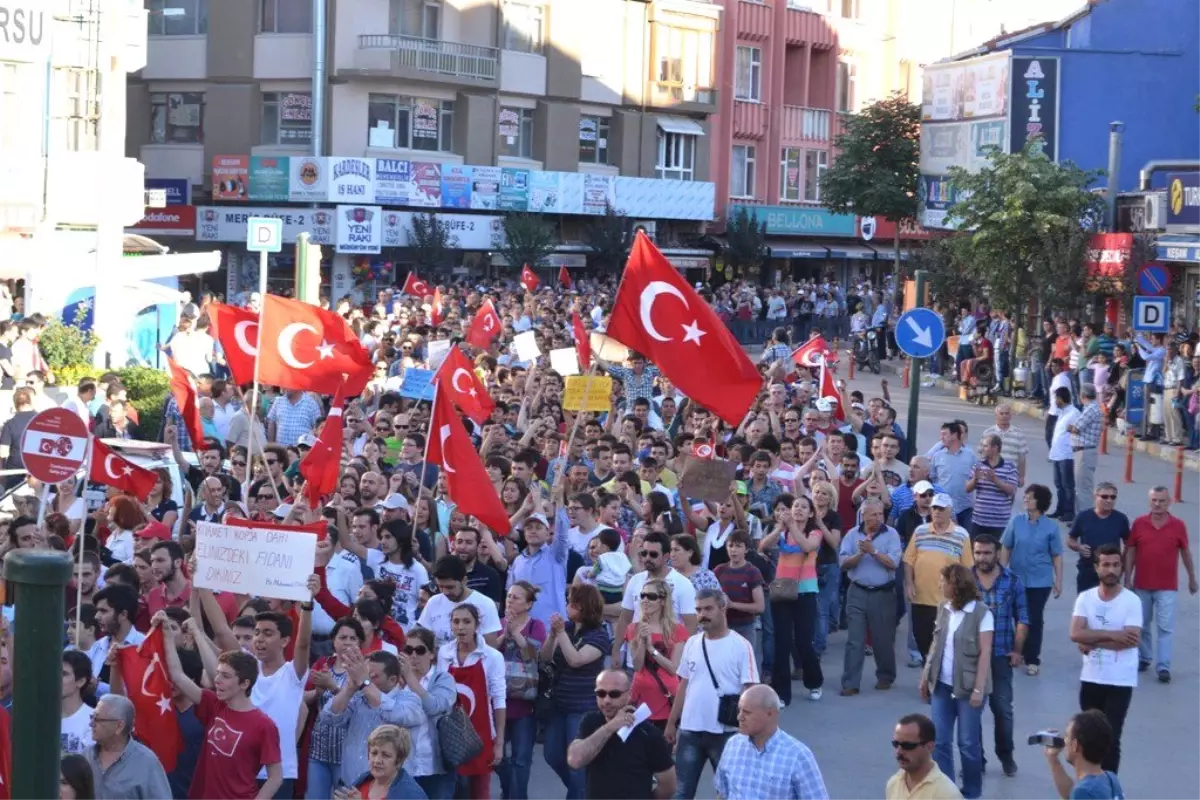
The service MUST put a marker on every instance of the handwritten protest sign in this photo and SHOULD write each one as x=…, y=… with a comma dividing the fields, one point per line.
x=268, y=562
x=579, y=396
x=564, y=361
x=707, y=479
x=418, y=384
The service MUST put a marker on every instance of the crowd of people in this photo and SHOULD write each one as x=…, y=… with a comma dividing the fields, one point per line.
x=637, y=633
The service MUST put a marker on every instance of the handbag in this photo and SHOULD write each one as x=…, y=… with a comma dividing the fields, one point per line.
x=784, y=590
x=521, y=677
x=543, y=706
x=727, y=704
x=458, y=739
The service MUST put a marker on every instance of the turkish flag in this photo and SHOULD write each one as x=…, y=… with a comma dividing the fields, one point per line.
x=148, y=687
x=814, y=352
x=467, y=482
x=473, y=699
x=564, y=277
x=485, y=326
x=656, y=313
x=183, y=389
x=829, y=390
x=305, y=348
x=110, y=469
x=437, y=312
x=583, y=345
x=323, y=464
x=529, y=279
x=457, y=378
x=415, y=286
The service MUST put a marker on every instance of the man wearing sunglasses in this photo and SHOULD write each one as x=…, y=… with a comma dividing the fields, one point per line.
x=1099, y=525
x=683, y=593
x=919, y=775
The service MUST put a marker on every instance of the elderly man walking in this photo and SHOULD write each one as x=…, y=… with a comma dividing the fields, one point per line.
x=870, y=555
x=123, y=767
x=761, y=761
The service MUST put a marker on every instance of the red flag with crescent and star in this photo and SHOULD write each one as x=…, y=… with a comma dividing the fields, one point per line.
x=529, y=279
x=148, y=687
x=473, y=699
x=656, y=313
x=450, y=448
x=814, y=352
x=110, y=469
x=414, y=286
x=484, y=327
x=564, y=277
x=304, y=347
x=323, y=464
x=457, y=378
x=183, y=389
x=583, y=345
x=437, y=310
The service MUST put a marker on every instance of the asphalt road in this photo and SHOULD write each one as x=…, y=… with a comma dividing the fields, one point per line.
x=850, y=736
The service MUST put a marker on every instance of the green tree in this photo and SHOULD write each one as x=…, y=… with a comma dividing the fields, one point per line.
x=66, y=344
x=746, y=250
x=430, y=242
x=949, y=284
x=610, y=236
x=877, y=167
x=528, y=239
x=1026, y=240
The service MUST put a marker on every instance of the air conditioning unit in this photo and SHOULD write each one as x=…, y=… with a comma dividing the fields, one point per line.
x=649, y=226
x=1156, y=211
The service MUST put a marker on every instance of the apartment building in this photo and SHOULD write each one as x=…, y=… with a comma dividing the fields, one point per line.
x=568, y=105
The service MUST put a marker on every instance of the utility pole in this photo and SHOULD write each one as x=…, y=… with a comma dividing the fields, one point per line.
x=914, y=386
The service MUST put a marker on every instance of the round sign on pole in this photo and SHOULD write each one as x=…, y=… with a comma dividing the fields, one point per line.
x=1153, y=280
x=54, y=445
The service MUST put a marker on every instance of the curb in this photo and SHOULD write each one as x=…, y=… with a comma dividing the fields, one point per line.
x=1154, y=449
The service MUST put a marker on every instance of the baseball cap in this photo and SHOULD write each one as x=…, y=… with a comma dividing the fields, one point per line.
x=921, y=487
x=394, y=502
x=942, y=501
x=538, y=517
x=743, y=487
x=155, y=530
x=306, y=440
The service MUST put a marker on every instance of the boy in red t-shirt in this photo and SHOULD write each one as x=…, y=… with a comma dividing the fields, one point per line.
x=239, y=739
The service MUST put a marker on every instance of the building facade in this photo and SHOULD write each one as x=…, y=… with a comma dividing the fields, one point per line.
x=458, y=106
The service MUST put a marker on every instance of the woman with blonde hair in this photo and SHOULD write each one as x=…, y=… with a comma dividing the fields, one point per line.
x=388, y=748
x=829, y=572
x=655, y=647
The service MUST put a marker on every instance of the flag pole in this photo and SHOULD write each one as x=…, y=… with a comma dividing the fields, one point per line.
x=253, y=411
x=587, y=390
x=425, y=453
x=87, y=474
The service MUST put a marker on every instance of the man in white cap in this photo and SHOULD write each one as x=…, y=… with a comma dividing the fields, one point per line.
x=935, y=544
x=543, y=563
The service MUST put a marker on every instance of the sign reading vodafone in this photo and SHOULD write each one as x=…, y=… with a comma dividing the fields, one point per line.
x=54, y=445
x=168, y=221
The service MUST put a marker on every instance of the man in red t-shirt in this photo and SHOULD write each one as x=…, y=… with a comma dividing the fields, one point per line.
x=1156, y=541
x=239, y=739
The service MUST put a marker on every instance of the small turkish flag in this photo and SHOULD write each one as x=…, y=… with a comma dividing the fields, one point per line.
x=415, y=286
x=148, y=687
x=813, y=353
x=183, y=389
x=583, y=345
x=110, y=469
x=485, y=327
x=564, y=277
x=467, y=482
x=528, y=279
x=323, y=464
x=437, y=311
x=829, y=392
x=703, y=449
x=466, y=391
x=656, y=313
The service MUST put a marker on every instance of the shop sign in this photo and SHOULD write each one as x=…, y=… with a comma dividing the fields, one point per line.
x=231, y=178
x=269, y=178
x=178, y=190
x=1034, y=105
x=307, y=179
x=25, y=31
x=359, y=229
x=222, y=224
x=169, y=221
x=803, y=221
x=350, y=179
x=464, y=231
x=1183, y=199
x=884, y=230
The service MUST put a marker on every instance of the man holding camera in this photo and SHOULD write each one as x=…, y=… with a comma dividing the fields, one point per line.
x=1087, y=741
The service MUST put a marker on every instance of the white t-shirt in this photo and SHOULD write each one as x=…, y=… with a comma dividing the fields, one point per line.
x=578, y=541
x=986, y=625
x=1060, y=381
x=409, y=581
x=77, y=730
x=436, y=616
x=683, y=594
x=1110, y=667
x=120, y=544
x=732, y=660
x=715, y=538
x=279, y=696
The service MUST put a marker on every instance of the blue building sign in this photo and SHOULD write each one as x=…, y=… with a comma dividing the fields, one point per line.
x=1034, y=104
x=800, y=221
x=1183, y=198
x=178, y=189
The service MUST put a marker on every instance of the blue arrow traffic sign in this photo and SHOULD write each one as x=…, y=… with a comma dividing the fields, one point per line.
x=920, y=332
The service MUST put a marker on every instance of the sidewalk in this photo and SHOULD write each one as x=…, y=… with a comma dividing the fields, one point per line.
x=1191, y=460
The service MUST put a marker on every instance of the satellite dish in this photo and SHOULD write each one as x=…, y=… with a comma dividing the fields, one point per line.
x=608, y=348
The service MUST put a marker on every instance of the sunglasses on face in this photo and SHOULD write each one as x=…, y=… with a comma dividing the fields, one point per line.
x=649, y=554
x=418, y=650
x=906, y=746
x=613, y=694
x=926, y=494
x=239, y=463
x=272, y=462
x=1107, y=496
x=648, y=596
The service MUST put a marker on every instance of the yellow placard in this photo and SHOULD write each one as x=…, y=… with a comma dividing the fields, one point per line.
x=579, y=396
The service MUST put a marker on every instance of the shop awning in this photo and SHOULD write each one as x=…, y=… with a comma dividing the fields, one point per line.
x=852, y=251
x=684, y=125
x=798, y=249
x=1178, y=248
x=890, y=255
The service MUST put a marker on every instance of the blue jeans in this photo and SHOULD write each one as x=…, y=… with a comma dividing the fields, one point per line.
x=691, y=751
x=1158, y=608
x=946, y=711
x=561, y=730
x=1000, y=701
x=321, y=778
x=1064, y=487
x=438, y=787
x=514, y=770
x=1036, y=598
x=768, y=636
x=830, y=577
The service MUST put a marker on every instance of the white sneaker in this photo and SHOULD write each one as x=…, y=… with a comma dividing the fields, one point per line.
x=814, y=695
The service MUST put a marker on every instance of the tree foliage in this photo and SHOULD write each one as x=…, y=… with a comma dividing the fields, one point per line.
x=1025, y=239
x=949, y=284
x=746, y=250
x=610, y=236
x=527, y=240
x=66, y=344
x=430, y=242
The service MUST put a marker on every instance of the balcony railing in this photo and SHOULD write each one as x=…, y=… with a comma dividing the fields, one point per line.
x=681, y=93
x=806, y=124
x=433, y=55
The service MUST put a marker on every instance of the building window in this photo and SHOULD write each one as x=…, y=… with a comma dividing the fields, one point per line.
x=177, y=17
x=287, y=118
x=741, y=169
x=676, y=156
x=74, y=121
x=849, y=9
x=747, y=79
x=516, y=132
x=593, y=139
x=815, y=162
x=177, y=118
x=419, y=18
x=789, y=174
x=287, y=16
x=684, y=60
x=20, y=131
x=845, y=86
x=410, y=123
x=523, y=26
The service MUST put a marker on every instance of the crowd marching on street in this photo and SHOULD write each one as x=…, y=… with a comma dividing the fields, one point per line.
x=497, y=569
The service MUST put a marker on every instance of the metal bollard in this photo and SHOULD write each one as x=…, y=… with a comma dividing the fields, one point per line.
x=38, y=578
x=907, y=369
x=1129, y=454
x=1178, y=475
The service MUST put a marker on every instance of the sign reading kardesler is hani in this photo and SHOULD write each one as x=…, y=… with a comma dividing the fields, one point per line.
x=54, y=445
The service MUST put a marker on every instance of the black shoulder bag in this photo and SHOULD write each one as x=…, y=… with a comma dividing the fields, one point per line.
x=727, y=704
